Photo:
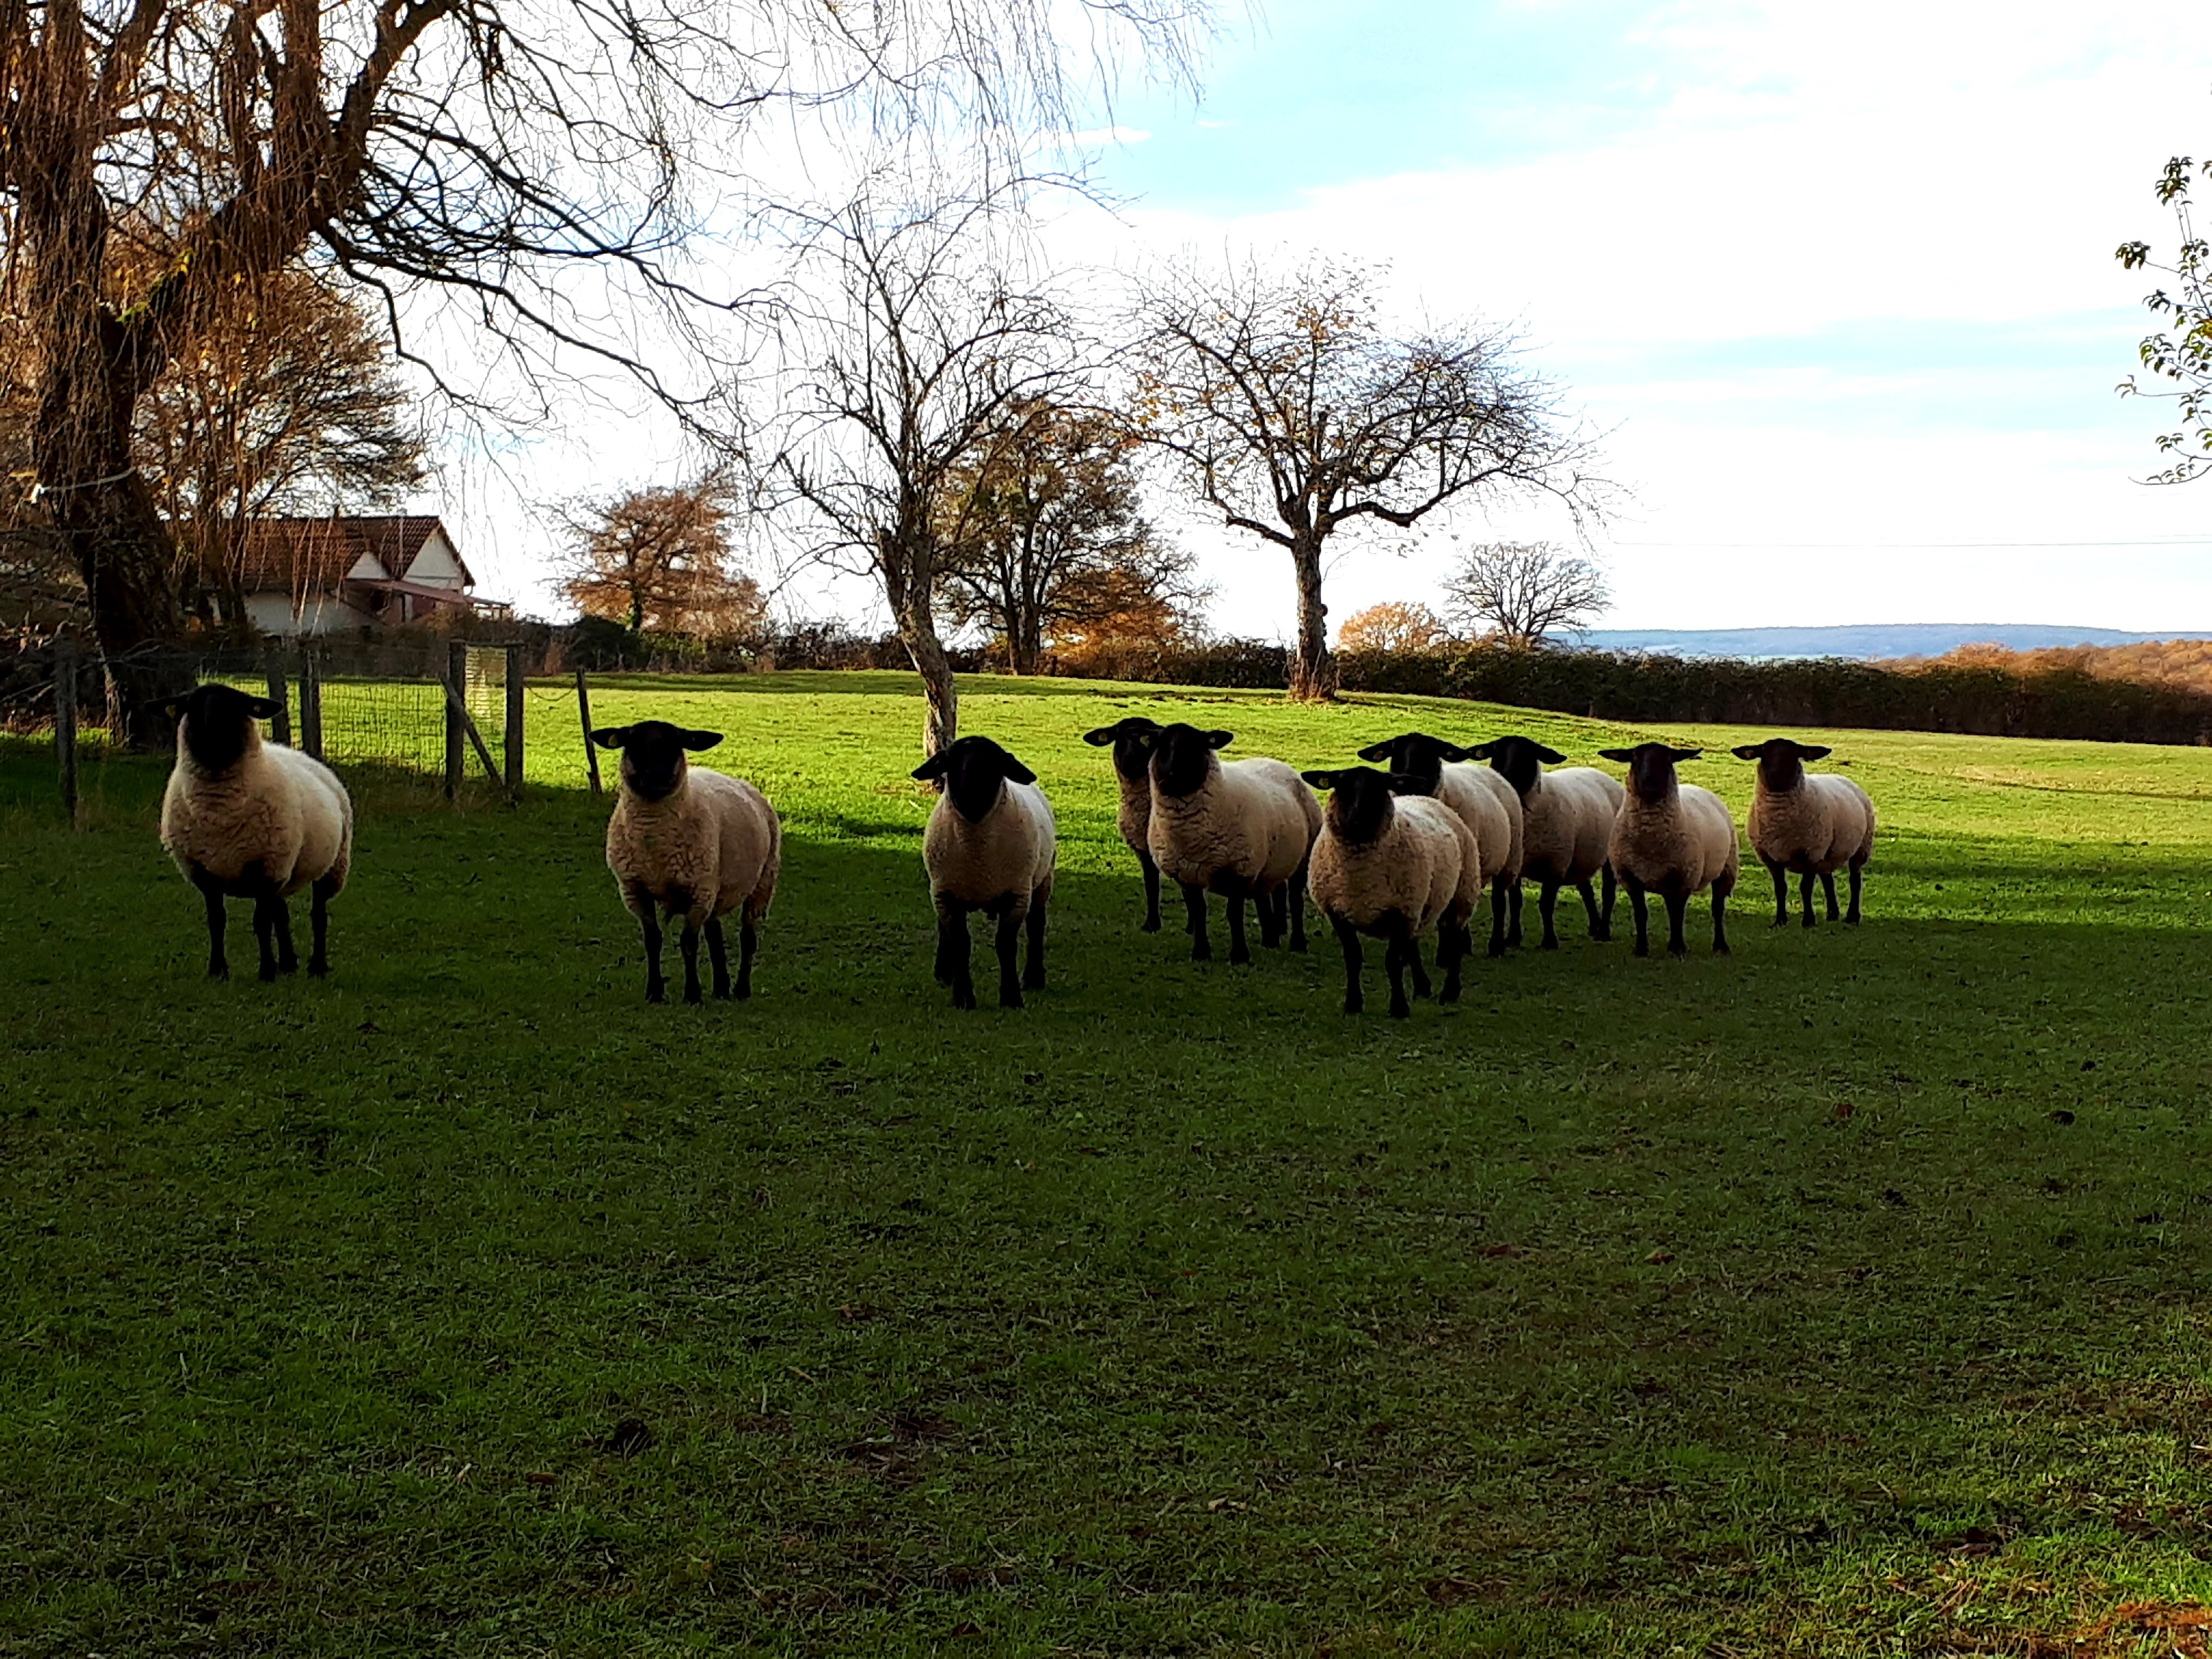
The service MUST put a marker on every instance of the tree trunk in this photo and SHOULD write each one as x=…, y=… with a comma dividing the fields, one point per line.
x=917, y=631
x=1313, y=670
x=1023, y=646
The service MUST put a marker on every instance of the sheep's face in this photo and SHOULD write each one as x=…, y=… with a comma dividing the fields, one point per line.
x=1183, y=758
x=653, y=764
x=973, y=772
x=1519, y=761
x=1781, y=760
x=1416, y=754
x=1651, y=768
x=1359, y=803
x=216, y=725
x=1133, y=745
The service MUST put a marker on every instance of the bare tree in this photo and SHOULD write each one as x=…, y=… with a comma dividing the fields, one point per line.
x=1396, y=625
x=1524, y=591
x=661, y=559
x=1052, y=536
x=911, y=348
x=555, y=165
x=1292, y=412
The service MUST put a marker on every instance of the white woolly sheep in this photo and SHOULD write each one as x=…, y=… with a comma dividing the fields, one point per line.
x=246, y=819
x=1673, y=839
x=1809, y=823
x=694, y=843
x=1487, y=802
x=1243, y=828
x=990, y=846
x=1132, y=738
x=1392, y=868
x=1566, y=831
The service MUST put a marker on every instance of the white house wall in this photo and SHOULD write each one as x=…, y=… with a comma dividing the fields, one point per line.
x=322, y=613
x=436, y=565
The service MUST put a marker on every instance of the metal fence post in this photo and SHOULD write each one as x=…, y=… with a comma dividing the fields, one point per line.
x=65, y=722
x=584, y=713
x=280, y=692
x=456, y=702
x=514, y=723
x=311, y=703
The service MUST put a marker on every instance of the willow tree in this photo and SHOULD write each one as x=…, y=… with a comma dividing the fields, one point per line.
x=1291, y=407
x=560, y=165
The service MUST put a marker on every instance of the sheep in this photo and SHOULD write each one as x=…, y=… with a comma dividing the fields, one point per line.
x=1567, y=830
x=694, y=843
x=989, y=846
x=1393, y=868
x=1488, y=803
x=1243, y=829
x=1807, y=822
x=1674, y=839
x=246, y=819
x=1132, y=738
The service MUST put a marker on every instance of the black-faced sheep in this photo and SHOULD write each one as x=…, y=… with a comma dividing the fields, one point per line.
x=246, y=819
x=1487, y=802
x=1243, y=828
x=1673, y=839
x=693, y=843
x=1132, y=738
x=1392, y=866
x=1808, y=824
x=1566, y=829
x=990, y=846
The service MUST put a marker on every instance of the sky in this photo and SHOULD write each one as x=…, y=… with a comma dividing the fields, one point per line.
x=1836, y=285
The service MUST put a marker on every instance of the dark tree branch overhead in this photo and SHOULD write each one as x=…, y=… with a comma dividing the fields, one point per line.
x=1292, y=409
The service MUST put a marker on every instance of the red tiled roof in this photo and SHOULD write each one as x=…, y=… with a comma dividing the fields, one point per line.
x=306, y=555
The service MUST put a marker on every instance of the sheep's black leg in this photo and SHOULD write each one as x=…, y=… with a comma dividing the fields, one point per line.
x=718, y=954
x=288, y=954
x=1394, y=961
x=1348, y=936
x=688, y=942
x=1033, y=970
x=1240, y=953
x=1513, y=923
x=1295, y=902
x=265, y=932
x=1636, y=902
x=1604, y=933
x=1781, y=894
x=748, y=943
x=1151, y=869
x=1677, y=903
x=1008, y=941
x=1193, y=910
x=217, y=920
x=1548, y=903
x=1269, y=908
x=1805, y=896
x=1454, y=942
x=1721, y=891
x=1498, y=904
x=319, y=928
x=656, y=988
x=1422, y=987
x=1851, y=916
x=1828, y=886
x=953, y=950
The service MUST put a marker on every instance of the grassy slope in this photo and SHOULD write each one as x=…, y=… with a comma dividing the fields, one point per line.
x=1843, y=1295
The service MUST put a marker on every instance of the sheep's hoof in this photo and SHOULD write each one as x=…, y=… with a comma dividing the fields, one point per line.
x=1642, y=949
x=962, y=999
x=1810, y=924
x=1201, y=952
x=1299, y=944
x=1851, y=921
x=318, y=968
x=220, y=970
x=1033, y=982
x=655, y=994
x=1354, y=1006
x=1399, y=1010
x=1239, y=958
x=1450, y=993
x=1012, y=1000
x=1150, y=925
x=1496, y=949
x=268, y=974
x=1720, y=948
x=1552, y=942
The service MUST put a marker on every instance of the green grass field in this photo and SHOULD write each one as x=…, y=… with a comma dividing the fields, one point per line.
x=1845, y=1296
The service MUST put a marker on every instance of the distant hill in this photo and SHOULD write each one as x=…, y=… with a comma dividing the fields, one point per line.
x=1866, y=641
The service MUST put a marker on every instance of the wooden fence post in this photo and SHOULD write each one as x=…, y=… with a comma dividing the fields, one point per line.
x=311, y=703
x=65, y=722
x=514, y=724
x=457, y=712
x=280, y=692
x=584, y=712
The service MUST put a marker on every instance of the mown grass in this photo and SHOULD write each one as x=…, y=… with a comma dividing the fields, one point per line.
x=1847, y=1295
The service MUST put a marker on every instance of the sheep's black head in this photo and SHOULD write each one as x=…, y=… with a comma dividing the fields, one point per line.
x=1519, y=761
x=653, y=764
x=1133, y=745
x=1416, y=754
x=1182, y=757
x=1651, y=767
x=1359, y=805
x=1781, y=760
x=971, y=771
x=214, y=724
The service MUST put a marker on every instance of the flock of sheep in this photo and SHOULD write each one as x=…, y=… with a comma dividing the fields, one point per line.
x=1396, y=854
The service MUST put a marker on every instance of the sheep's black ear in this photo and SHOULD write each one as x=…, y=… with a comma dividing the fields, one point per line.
x=1016, y=771
x=930, y=770
x=1686, y=754
x=1623, y=756
x=1479, y=751
x=1376, y=752
x=1219, y=740
x=1814, y=752
x=1405, y=783
x=1550, y=757
x=1321, y=779
x=1452, y=751
x=611, y=737
x=263, y=709
x=699, y=739
x=174, y=707
x=1101, y=737
x=1748, y=752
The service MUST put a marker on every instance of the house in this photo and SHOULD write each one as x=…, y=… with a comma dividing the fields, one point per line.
x=330, y=575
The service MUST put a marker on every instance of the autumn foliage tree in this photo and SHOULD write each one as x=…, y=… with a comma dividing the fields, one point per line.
x=662, y=560
x=1396, y=625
